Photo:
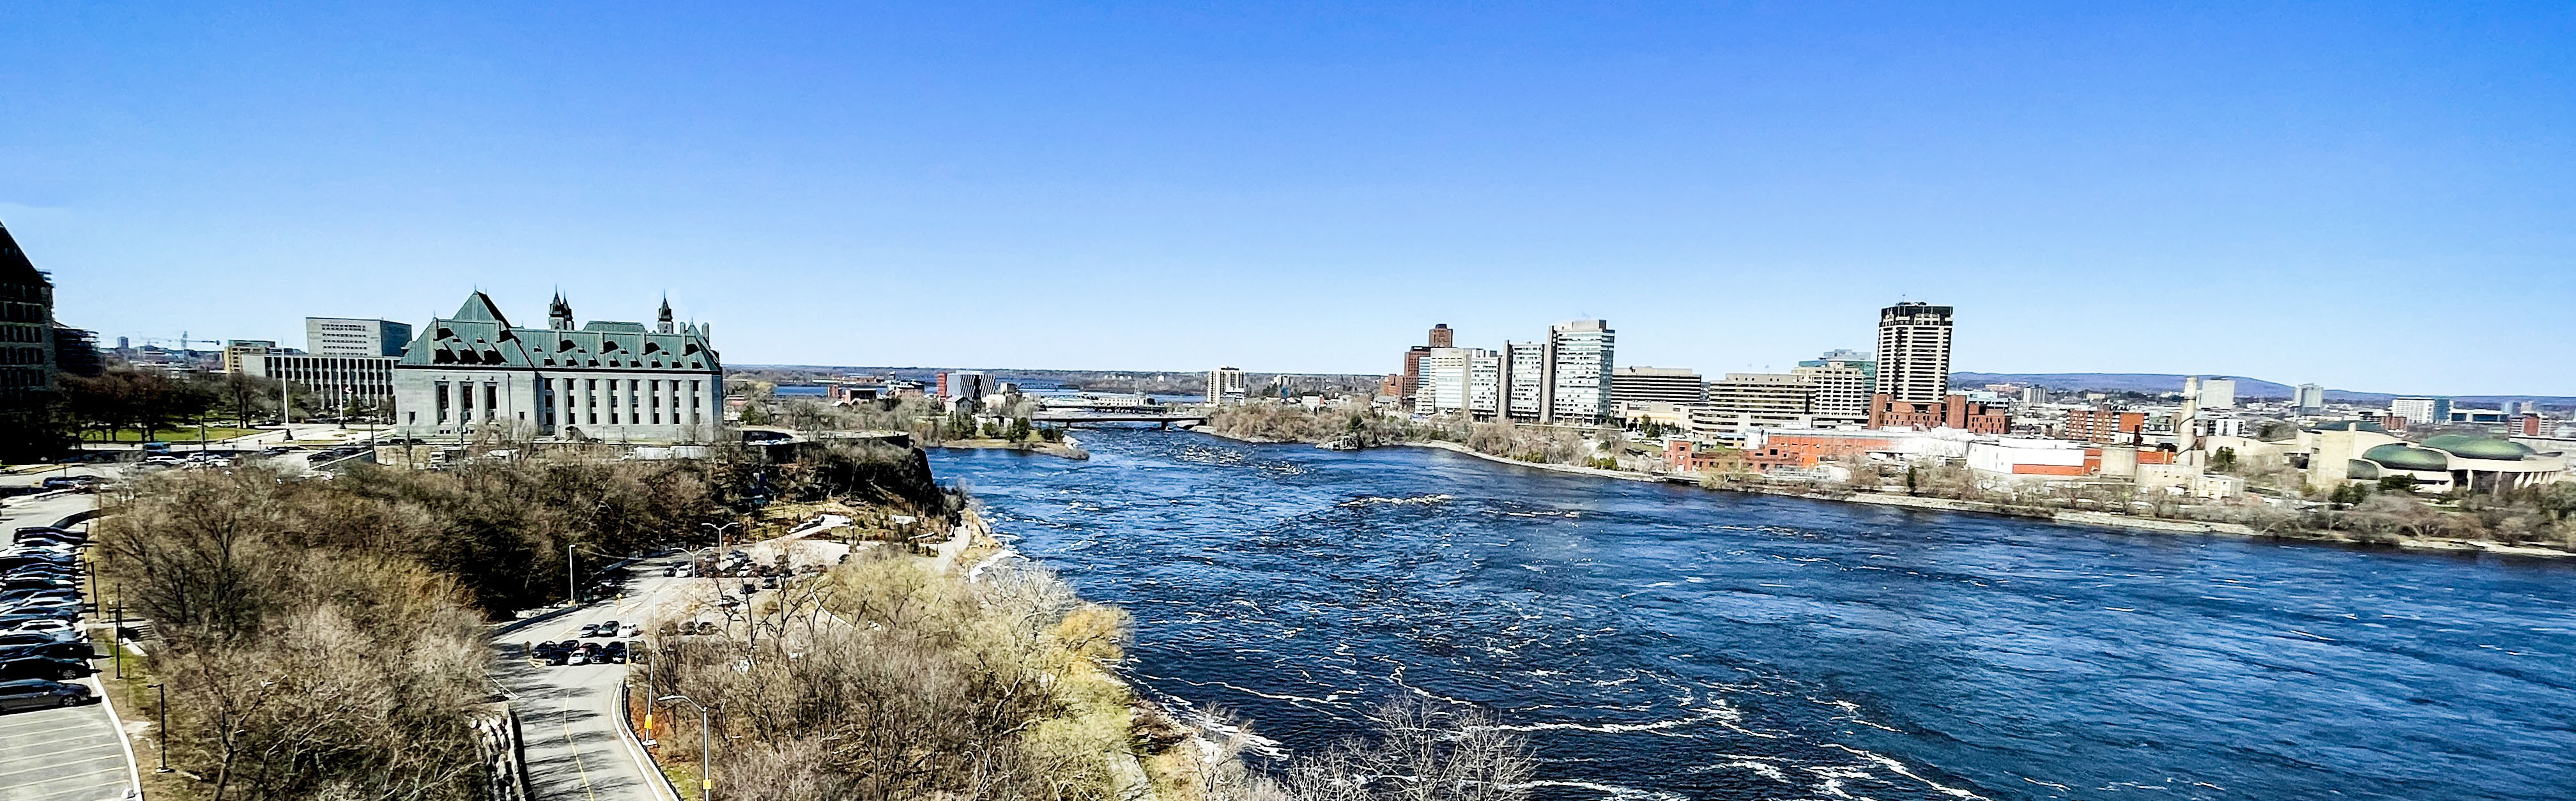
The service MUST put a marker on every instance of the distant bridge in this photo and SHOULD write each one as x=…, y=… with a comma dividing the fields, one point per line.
x=1160, y=416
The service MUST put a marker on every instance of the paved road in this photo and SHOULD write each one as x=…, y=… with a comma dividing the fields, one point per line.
x=71, y=754
x=568, y=714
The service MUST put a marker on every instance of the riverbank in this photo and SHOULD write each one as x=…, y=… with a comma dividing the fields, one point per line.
x=2064, y=516
x=1065, y=450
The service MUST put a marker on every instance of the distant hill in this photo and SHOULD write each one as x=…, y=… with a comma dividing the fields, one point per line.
x=2117, y=382
x=2245, y=387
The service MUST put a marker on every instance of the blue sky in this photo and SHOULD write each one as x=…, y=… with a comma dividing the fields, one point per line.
x=2370, y=196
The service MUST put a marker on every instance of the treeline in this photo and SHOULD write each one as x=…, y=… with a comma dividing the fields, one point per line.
x=890, y=679
x=1279, y=422
x=323, y=638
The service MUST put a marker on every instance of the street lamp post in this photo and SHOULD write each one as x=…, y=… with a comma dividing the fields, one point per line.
x=162, y=708
x=719, y=552
x=116, y=631
x=706, y=746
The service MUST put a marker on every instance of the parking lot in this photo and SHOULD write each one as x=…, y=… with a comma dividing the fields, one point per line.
x=67, y=754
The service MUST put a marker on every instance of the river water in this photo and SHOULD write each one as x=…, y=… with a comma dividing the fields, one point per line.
x=1658, y=641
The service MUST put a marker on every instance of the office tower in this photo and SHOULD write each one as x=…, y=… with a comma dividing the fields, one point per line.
x=1913, y=353
x=1843, y=381
x=1225, y=384
x=1580, y=357
x=2421, y=410
x=341, y=336
x=1443, y=383
x=2217, y=393
x=2309, y=398
x=1442, y=337
x=1652, y=384
x=1524, y=380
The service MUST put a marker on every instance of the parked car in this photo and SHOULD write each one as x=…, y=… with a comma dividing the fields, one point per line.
x=11, y=620
x=18, y=638
x=38, y=624
x=589, y=630
x=59, y=650
x=48, y=533
x=46, y=606
x=607, y=629
x=576, y=657
x=14, y=583
x=632, y=631
x=616, y=652
x=40, y=694
x=43, y=667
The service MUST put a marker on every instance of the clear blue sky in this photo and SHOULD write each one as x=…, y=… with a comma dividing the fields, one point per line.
x=2370, y=196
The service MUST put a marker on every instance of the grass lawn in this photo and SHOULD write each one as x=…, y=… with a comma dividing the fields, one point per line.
x=189, y=434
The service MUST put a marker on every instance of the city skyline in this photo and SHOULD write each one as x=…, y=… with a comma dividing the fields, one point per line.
x=1292, y=191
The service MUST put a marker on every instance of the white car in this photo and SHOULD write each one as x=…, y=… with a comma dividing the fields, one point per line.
x=25, y=626
x=576, y=658
x=633, y=631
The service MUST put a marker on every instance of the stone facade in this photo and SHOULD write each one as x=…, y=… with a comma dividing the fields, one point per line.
x=476, y=374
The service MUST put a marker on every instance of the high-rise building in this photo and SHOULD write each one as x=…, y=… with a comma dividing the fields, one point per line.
x=2309, y=398
x=1580, y=358
x=1485, y=389
x=1913, y=353
x=1225, y=384
x=341, y=336
x=1444, y=381
x=2217, y=393
x=2421, y=410
x=1649, y=384
x=974, y=385
x=1524, y=380
x=1843, y=380
x=1441, y=337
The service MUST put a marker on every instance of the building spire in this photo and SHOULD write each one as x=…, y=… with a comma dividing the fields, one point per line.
x=663, y=323
x=559, y=313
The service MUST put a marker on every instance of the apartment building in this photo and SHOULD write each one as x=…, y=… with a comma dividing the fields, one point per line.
x=1913, y=353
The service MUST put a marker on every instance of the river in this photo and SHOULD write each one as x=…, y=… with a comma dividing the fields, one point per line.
x=1658, y=641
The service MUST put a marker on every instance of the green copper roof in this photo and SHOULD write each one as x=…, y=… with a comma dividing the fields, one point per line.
x=2351, y=425
x=2473, y=446
x=479, y=335
x=2356, y=468
x=2401, y=456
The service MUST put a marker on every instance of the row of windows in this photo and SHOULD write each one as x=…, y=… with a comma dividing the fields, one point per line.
x=23, y=313
x=23, y=356
x=22, y=333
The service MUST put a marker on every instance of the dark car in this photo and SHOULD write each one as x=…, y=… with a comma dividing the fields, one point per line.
x=607, y=628
x=51, y=607
x=40, y=694
x=16, y=638
x=12, y=563
x=12, y=619
x=617, y=652
x=39, y=583
x=44, y=594
x=49, y=537
x=43, y=667
x=57, y=650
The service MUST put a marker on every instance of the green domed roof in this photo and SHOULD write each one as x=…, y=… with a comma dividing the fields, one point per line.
x=2400, y=456
x=2361, y=469
x=2351, y=425
x=2472, y=446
